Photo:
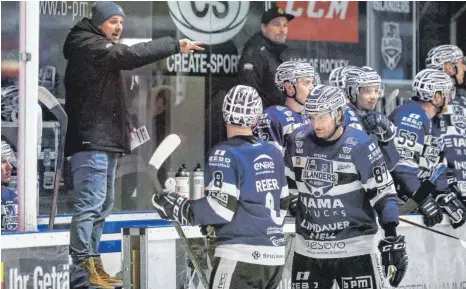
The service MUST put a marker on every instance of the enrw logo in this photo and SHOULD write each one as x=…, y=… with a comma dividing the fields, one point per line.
x=212, y=22
x=263, y=162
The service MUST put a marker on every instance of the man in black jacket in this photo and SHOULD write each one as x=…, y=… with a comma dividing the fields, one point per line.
x=263, y=53
x=99, y=127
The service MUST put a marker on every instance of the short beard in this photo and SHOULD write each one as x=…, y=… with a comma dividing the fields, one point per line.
x=280, y=41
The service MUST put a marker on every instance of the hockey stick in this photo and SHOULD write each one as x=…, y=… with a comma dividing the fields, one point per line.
x=410, y=204
x=391, y=97
x=47, y=99
x=463, y=242
x=161, y=154
x=163, y=151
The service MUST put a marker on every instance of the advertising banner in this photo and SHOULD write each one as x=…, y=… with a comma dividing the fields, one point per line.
x=336, y=21
x=36, y=267
x=392, y=38
x=326, y=34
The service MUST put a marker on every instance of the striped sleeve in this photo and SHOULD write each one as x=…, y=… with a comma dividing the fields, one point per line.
x=377, y=182
x=221, y=189
x=409, y=141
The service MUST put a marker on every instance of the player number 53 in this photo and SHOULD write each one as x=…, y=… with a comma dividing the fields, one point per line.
x=406, y=137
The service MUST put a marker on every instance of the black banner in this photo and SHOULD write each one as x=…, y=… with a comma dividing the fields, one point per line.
x=392, y=38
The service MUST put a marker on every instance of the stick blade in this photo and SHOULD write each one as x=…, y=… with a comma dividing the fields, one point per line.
x=392, y=97
x=463, y=243
x=164, y=150
x=394, y=94
x=47, y=98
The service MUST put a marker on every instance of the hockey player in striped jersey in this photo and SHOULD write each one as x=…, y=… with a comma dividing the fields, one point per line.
x=449, y=59
x=9, y=196
x=364, y=88
x=295, y=81
x=342, y=181
x=420, y=144
x=246, y=200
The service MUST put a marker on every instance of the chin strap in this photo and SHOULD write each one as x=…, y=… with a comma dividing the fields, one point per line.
x=360, y=112
x=299, y=102
x=439, y=107
x=294, y=96
x=337, y=126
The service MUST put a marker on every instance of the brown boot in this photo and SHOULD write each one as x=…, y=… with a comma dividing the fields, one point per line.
x=99, y=268
x=94, y=279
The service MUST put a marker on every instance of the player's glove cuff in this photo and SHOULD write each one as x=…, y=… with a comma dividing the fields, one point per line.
x=172, y=206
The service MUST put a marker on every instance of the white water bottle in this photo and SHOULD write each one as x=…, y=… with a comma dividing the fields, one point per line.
x=182, y=181
x=198, y=183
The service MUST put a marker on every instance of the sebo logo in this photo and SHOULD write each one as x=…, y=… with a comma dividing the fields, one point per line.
x=212, y=22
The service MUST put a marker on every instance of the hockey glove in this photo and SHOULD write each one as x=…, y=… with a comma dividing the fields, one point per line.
x=293, y=206
x=431, y=211
x=393, y=253
x=170, y=205
x=378, y=124
x=454, y=188
x=453, y=208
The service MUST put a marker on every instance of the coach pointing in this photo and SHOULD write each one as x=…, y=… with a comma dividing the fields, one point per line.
x=99, y=128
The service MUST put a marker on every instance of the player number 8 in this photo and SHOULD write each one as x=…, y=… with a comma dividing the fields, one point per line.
x=270, y=204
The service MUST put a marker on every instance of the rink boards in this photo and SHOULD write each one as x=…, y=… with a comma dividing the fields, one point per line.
x=41, y=259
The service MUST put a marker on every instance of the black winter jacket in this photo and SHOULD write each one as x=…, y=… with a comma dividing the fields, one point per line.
x=258, y=64
x=96, y=101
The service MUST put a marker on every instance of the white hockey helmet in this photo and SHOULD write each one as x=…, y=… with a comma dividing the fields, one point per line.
x=10, y=103
x=8, y=154
x=242, y=106
x=334, y=75
x=290, y=71
x=338, y=76
x=357, y=77
x=325, y=98
x=430, y=81
x=439, y=55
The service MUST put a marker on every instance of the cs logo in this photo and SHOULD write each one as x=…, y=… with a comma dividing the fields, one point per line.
x=213, y=22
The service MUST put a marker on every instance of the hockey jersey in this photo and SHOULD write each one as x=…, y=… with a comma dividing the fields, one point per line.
x=246, y=201
x=339, y=185
x=276, y=124
x=420, y=144
x=9, y=209
x=455, y=143
x=388, y=149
